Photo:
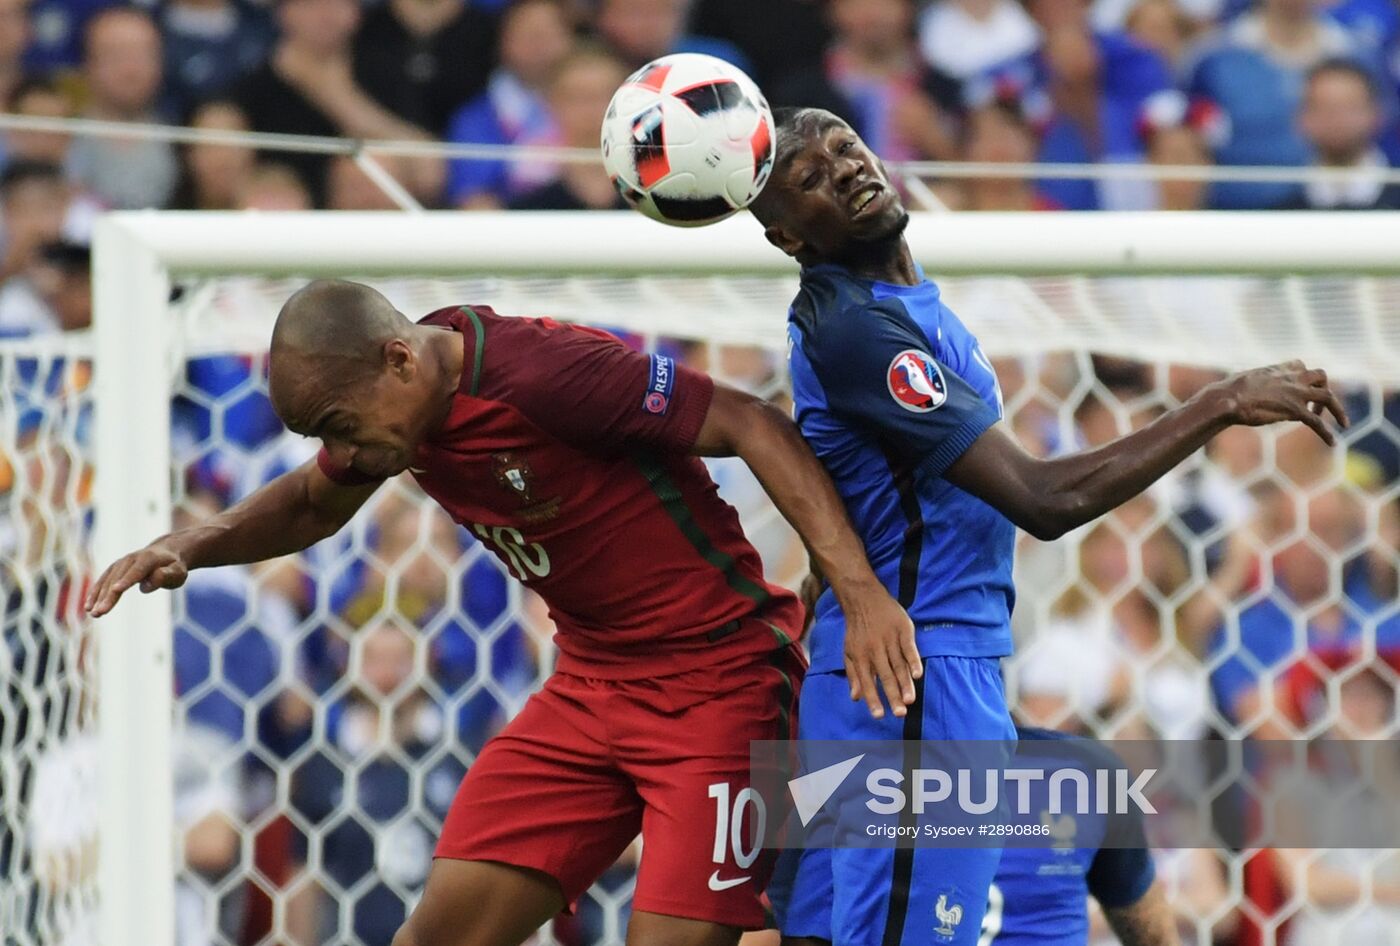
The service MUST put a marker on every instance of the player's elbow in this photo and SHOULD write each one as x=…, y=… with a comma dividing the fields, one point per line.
x=1051, y=515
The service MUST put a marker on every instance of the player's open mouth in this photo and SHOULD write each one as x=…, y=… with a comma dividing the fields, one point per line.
x=864, y=198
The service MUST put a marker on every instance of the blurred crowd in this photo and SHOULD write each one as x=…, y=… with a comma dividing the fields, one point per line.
x=329, y=703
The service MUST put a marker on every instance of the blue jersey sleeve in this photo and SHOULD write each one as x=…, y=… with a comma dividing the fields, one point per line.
x=1120, y=877
x=878, y=372
x=1122, y=872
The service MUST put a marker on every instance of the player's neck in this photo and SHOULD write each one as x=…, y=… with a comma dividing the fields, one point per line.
x=889, y=261
x=444, y=357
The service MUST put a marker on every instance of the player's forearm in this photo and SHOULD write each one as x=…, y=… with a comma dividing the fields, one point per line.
x=770, y=443
x=1148, y=922
x=278, y=519
x=1079, y=488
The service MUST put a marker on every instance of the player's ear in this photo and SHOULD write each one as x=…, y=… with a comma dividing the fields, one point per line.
x=398, y=357
x=783, y=240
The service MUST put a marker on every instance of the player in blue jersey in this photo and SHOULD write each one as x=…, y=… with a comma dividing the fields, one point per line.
x=900, y=403
x=1040, y=895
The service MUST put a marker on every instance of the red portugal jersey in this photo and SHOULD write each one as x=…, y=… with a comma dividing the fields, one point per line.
x=566, y=453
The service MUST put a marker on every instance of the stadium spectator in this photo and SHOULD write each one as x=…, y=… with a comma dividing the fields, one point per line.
x=44, y=229
x=122, y=65
x=34, y=200
x=965, y=38
x=14, y=39
x=41, y=99
x=214, y=175
x=382, y=757
x=772, y=35
x=579, y=93
x=999, y=134
x=639, y=31
x=1175, y=133
x=1162, y=26
x=1349, y=895
x=62, y=278
x=274, y=186
x=209, y=45
x=1254, y=71
x=1094, y=89
x=872, y=75
x=414, y=569
x=535, y=36
x=62, y=826
x=1340, y=117
x=1302, y=610
x=309, y=86
x=424, y=58
x=57, y=30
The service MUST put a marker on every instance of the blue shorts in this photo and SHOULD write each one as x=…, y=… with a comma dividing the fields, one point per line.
x=891, y=896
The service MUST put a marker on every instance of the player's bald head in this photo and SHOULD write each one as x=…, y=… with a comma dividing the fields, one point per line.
x=329, y=334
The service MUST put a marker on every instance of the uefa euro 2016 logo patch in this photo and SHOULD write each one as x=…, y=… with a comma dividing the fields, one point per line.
x=660, y=383
x=916, y=382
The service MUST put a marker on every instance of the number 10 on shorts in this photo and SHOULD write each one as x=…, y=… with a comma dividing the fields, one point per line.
x=729, y=826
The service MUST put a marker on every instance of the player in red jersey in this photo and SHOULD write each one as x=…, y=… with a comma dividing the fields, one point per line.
x=573, y=459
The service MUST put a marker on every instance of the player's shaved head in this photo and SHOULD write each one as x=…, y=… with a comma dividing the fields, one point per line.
x=329, y=335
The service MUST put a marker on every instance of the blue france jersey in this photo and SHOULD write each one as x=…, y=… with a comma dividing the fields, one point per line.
x=890, y=389
x=1040, y=895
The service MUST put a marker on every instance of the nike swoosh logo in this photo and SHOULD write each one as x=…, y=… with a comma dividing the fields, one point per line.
x=716, y=884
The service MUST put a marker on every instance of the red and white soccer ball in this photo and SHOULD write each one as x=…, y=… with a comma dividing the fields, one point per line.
x=688, y=140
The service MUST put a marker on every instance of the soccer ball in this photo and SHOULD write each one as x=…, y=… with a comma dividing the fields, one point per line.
x=688, y=140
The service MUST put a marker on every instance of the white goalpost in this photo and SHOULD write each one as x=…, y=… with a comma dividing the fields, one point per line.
x=1208, y=290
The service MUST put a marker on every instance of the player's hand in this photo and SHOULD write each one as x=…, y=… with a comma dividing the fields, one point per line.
x=156, y=566
x=880, y=651
x=1290, y=391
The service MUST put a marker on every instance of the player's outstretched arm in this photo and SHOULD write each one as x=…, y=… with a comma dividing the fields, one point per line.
x=1048, y=498
x=880, y=648
x=1148, y=922
x=291, y=513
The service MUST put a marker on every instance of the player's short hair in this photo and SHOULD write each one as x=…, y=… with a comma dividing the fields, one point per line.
x=1347, y=67
x=791, y=127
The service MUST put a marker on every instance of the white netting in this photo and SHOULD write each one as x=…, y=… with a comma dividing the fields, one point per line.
x=328, y=703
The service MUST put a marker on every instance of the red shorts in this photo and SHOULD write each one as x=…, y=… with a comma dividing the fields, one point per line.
x=588, y=764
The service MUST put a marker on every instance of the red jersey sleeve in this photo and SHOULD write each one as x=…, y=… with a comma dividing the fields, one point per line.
x=588, y=389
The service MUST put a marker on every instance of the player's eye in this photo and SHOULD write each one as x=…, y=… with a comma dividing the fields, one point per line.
x=810, y=181
x=845, y=146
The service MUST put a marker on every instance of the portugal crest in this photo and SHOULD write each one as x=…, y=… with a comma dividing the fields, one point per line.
x=514, y=474
x=916, y=382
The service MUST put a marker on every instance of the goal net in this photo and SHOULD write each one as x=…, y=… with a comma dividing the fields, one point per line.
x=267, y=755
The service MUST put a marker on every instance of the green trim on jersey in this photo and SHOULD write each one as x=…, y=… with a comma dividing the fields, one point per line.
x=676, y=507
x=480, y=332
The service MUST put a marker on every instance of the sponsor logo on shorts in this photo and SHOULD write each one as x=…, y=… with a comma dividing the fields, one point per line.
x=661, y=381
x=916, y=382
x=717, y=885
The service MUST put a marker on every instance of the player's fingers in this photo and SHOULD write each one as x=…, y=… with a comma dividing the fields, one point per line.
x=910, y=646
x=165, y=576
x=890, y=685
x=1334, y=406
x=1317, y=425
x=98, y=589
x=853, y=678
x=904, y=696
x=114, y=583
x=869, y=691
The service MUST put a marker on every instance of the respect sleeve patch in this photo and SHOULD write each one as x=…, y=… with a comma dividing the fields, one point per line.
x=661, y=381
